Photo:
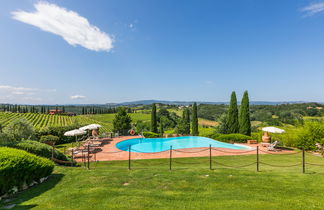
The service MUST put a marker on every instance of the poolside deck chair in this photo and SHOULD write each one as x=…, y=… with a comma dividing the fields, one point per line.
x=272, y=146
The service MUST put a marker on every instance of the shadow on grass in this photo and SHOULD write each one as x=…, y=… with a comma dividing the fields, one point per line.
x=32, y=192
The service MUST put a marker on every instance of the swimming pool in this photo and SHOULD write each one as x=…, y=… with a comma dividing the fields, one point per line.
x=148, y=145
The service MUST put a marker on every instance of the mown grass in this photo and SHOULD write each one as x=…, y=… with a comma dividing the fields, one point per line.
x=190, y=185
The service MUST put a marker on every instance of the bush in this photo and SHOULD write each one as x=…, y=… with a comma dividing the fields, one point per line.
x=40, y=149
x=148, y=134
x=18, y=168
x=312, y=133
x=257, y=136
x=233, y=137
x=59, y=132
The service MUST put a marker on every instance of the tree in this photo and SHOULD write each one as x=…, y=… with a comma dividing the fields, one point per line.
x=186, y=119
x=244, y=119
x=223, y=125
x=161, y=127
x=195, y=131
x=122, y=121
x=232, y=118
x=49, y=139
x=19, y=129
x=153, y=119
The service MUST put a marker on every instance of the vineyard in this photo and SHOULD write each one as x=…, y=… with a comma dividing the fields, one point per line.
x=40, y=121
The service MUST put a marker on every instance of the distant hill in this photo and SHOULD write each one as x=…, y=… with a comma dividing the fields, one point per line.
x=147, y=102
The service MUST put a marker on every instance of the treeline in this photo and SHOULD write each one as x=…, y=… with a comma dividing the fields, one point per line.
x=271, y=114
x=45, y=109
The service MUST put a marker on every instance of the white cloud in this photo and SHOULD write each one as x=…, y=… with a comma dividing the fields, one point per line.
x=313, y=8
x=12, y=88
x=72, y=27
x=22, y=90
x=75, y=97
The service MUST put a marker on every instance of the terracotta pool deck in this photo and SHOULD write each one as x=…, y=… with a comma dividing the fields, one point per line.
x=110, y=152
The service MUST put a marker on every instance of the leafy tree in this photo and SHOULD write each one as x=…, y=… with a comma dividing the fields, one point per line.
x=153, y=119
x=223, y=126
x=183, y=126
x=141, y=126
x=195, y=131
x=49, y=139
x=122, y=121
x=244, y=120
x=19, y=129
x=232, y=119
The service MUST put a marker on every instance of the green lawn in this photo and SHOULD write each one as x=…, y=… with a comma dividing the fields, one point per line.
x=190, y=185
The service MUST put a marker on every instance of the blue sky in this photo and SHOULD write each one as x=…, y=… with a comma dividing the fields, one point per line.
x=54, y=52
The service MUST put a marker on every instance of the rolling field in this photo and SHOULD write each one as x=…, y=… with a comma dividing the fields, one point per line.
x=40, y=121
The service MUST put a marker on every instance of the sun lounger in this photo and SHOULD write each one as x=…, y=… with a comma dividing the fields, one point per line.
x=272, y=146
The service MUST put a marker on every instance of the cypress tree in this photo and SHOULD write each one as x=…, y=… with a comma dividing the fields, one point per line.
x=195, y=131
x=232, y=117
x=153, y=119
x=161, y=128
x=244, y=119
x=187, y=121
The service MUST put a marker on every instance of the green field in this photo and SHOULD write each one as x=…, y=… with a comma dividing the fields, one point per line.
x=40, y=121
x=150, y=185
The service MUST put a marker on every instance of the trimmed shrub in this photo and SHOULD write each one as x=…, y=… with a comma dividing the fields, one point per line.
x=40, y=149
x=257, y=136
x=19, y=168
x=59, y=132
x=148, y=134
x=233, y=137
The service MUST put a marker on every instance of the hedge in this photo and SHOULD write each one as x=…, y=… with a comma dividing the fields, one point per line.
x=40, y=149
x=233, y=137
x=19, y=168
x=148, y=134
x=59, y=132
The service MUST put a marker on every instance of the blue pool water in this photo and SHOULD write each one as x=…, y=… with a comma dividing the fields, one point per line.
x=148, y=145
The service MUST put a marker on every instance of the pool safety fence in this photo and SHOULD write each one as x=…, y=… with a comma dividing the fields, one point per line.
x=171, y=161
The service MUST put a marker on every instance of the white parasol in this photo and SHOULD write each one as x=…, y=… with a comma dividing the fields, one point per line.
x=90, y=127
x=75, y=132
x=273, y=130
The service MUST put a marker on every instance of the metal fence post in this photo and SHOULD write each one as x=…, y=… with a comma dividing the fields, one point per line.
x=210, y=157
x=258, y=162
x=170, y=158
x=129, y=157
x=303, y=162
x=88, y=156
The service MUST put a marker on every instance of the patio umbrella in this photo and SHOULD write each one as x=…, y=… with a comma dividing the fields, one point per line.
x=76, y=133
x=90, y=127
x=273, y=130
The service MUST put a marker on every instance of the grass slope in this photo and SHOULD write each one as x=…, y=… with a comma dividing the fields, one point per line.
x=150, y=185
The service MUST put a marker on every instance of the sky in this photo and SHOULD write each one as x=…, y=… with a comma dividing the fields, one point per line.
x=105, y=51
